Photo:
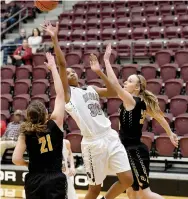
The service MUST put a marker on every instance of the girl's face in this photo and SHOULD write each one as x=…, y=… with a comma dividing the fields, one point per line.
x=131, y=85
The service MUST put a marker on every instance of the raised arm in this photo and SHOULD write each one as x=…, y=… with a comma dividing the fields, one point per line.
x=162, y=121
x=109, y=91
x=59, y=108
x=53, y=32
x=125, y=96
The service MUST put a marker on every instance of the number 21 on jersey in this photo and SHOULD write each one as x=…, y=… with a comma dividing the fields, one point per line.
x=46, y=144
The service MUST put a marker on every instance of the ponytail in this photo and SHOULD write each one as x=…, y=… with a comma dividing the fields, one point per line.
x=29, y=128
x=151, y=101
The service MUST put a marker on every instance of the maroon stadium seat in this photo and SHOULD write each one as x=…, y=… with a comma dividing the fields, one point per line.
x=168, y=71
x=73, y=58
x=163, y=101
x=40, y=72
x=174, y=45
x=121, y=12
x=184, y=72
x=107, y=22
x=156, y=32
x=185, y=32
x=147, y=138
x=155, y=47
x=149, y=71
x=138, y=21
x=20, y=102
x=179, y=101
x=173, y=87
x=140, y=50
x=93, y=23
x=157, y=129
x=75, y=141
x=166, y=10
x=93, y=34
x=173, y=32
x=127, y=70
x=38, y=59
x=39, y=87
x=140, y=33
x=183, y=145
x=96, y=82
x=22, y=86
x=151, y=10
x=23, y=72
x=154, y=21
x=181, y=9
x=72, y=126
x=124, y=48
x=181, y=57
x=154, y=85
x=124, y=33
x=113, y=105
x=164, y=146
x=183, y=20
x=163, y=57
x=181, y=124
x=7, y=72
x=6, y=86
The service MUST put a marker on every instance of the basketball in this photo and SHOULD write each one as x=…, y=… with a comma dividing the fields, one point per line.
x=45, y=5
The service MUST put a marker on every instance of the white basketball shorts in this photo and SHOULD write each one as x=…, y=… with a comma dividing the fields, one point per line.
x=104, y=155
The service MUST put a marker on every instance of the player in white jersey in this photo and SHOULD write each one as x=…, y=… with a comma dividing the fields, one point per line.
x=101, y=147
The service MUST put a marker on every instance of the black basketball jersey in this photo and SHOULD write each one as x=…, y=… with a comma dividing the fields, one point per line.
x=45, y=149
x=131, y=122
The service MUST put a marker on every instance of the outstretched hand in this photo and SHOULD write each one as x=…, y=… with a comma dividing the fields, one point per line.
x=94, y=63
x=108, y=52
x=51, y=30
x=174, y=139
x=51, y=61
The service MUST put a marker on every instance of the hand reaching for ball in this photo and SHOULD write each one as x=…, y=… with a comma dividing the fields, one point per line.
x=51, y=30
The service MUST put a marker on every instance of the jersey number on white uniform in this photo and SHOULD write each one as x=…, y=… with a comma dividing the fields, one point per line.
x=95, y=109
x=45, y=147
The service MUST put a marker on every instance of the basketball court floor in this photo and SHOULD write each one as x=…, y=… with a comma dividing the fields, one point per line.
x=17, y=192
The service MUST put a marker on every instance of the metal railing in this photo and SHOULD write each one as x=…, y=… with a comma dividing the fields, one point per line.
x=21, y=18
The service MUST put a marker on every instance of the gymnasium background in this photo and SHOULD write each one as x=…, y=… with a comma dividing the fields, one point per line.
x=148, y=38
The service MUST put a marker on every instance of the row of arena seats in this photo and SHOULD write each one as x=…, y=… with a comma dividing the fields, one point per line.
x=116, y=12
x=129, y=4
x=122, y=22
x=123, y=33
x=78, y=56
x=158, y=146
x=149, y=71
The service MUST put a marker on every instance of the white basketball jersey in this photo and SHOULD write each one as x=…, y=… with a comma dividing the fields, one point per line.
x=84, y=107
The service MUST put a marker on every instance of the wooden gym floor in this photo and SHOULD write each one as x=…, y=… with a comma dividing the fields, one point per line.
x=18, y=192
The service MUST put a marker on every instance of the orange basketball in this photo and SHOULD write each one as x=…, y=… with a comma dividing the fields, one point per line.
x=46, y=5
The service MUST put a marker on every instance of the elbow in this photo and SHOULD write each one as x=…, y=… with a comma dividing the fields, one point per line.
x=17, y=160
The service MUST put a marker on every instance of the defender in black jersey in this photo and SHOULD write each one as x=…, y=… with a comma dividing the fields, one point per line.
x=137, y=103
x=43, y=141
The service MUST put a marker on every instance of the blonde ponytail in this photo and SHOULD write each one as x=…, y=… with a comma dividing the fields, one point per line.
x=149, y=98
x=151, y=101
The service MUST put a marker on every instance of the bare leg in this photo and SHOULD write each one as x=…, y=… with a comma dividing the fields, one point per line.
x=148, y=194
x=93, y=191
x=132, y=194
x=125, y=181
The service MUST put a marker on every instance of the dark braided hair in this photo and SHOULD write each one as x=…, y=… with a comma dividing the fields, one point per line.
x=36, y=119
